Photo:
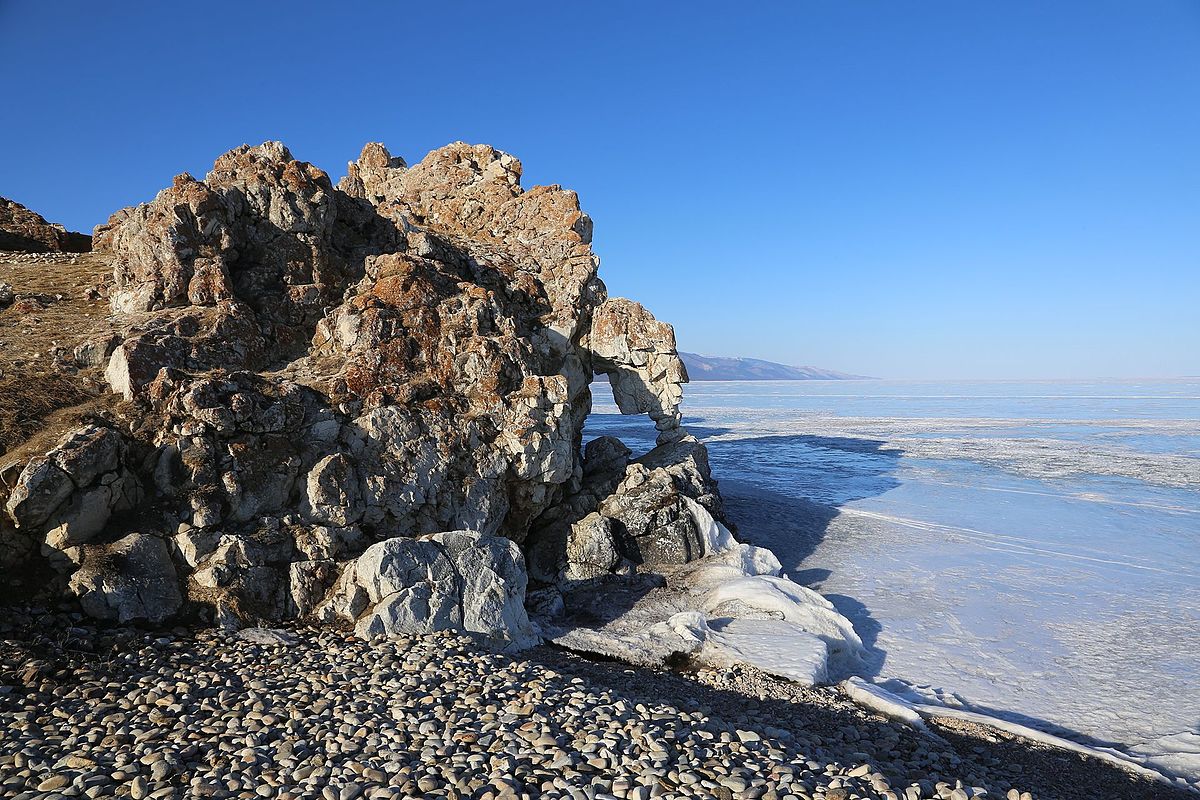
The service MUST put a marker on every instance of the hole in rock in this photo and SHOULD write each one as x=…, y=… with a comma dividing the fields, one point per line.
x=637, y=431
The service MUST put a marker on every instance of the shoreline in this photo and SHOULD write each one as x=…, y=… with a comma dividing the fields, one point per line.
x=68, y=687
x=925, y=707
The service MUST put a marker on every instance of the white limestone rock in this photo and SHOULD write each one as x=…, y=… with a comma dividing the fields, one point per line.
x=457, y=580
x=639, y=356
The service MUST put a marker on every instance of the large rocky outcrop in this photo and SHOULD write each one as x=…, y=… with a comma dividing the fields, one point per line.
x=363, y=401
x=25, y=230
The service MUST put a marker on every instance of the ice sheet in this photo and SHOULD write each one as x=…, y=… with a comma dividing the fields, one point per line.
x=1030, y=551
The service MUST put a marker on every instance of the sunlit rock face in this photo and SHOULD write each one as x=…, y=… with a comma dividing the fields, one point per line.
x=309, y=370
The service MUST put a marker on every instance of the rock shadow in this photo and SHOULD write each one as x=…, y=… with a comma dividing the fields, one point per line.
x=822, y=473
x=606, y=599
x=903, y=755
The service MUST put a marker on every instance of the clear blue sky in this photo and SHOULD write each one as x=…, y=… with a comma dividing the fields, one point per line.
x=903, y=189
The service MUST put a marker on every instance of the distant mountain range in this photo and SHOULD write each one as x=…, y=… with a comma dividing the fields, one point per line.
x=713, y=368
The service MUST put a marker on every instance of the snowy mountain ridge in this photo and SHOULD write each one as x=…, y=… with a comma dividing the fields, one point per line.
x=718, y=368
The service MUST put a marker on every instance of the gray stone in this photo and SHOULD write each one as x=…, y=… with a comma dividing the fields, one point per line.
x=41, y=488
x=591, y=549
x=406, y=586
x=272, y=637
x=651, y=519
x=88, y=453
x=491, y=570
x=81, y=519
x=95, y=352
x=131, y=579
x=332, y=495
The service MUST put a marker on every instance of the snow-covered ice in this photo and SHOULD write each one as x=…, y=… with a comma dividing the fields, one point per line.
x=730, y=607
x=775, y=646
x=881, y=701
x=1029, y=551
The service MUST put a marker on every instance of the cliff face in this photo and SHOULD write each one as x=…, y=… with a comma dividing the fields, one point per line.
x=316, y=378
x=24, y=230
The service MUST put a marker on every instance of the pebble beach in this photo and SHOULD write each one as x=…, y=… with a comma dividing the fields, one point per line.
x=314, y=712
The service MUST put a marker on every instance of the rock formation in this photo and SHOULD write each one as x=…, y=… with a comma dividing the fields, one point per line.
x=25, y=230
x=363, y=401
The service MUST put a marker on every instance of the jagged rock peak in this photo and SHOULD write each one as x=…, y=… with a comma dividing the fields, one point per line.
x=368, y=177
x=28, y=231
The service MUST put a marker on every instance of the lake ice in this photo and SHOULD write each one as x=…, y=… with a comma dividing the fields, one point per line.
x=1030, y=550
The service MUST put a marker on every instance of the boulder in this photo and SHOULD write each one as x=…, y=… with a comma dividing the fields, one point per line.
x=458, y=580
x=130, y=579
x=90, y=509
x=84, y=458
x=88, y=453
x=591, y=548
x=685, y=462
x=249, y=572
x=332, y=494
x=652, y=520
x=41, y=488
x=491, y=570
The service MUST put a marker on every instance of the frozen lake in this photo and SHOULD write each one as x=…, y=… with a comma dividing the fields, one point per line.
x=1026, y=549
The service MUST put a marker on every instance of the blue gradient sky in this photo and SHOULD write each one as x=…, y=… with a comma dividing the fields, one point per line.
x=903, y=189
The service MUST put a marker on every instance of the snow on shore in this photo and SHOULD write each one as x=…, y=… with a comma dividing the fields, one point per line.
x=730, y=607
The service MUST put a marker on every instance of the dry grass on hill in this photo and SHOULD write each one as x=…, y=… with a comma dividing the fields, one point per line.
x=27, y=402
x=56, y=306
